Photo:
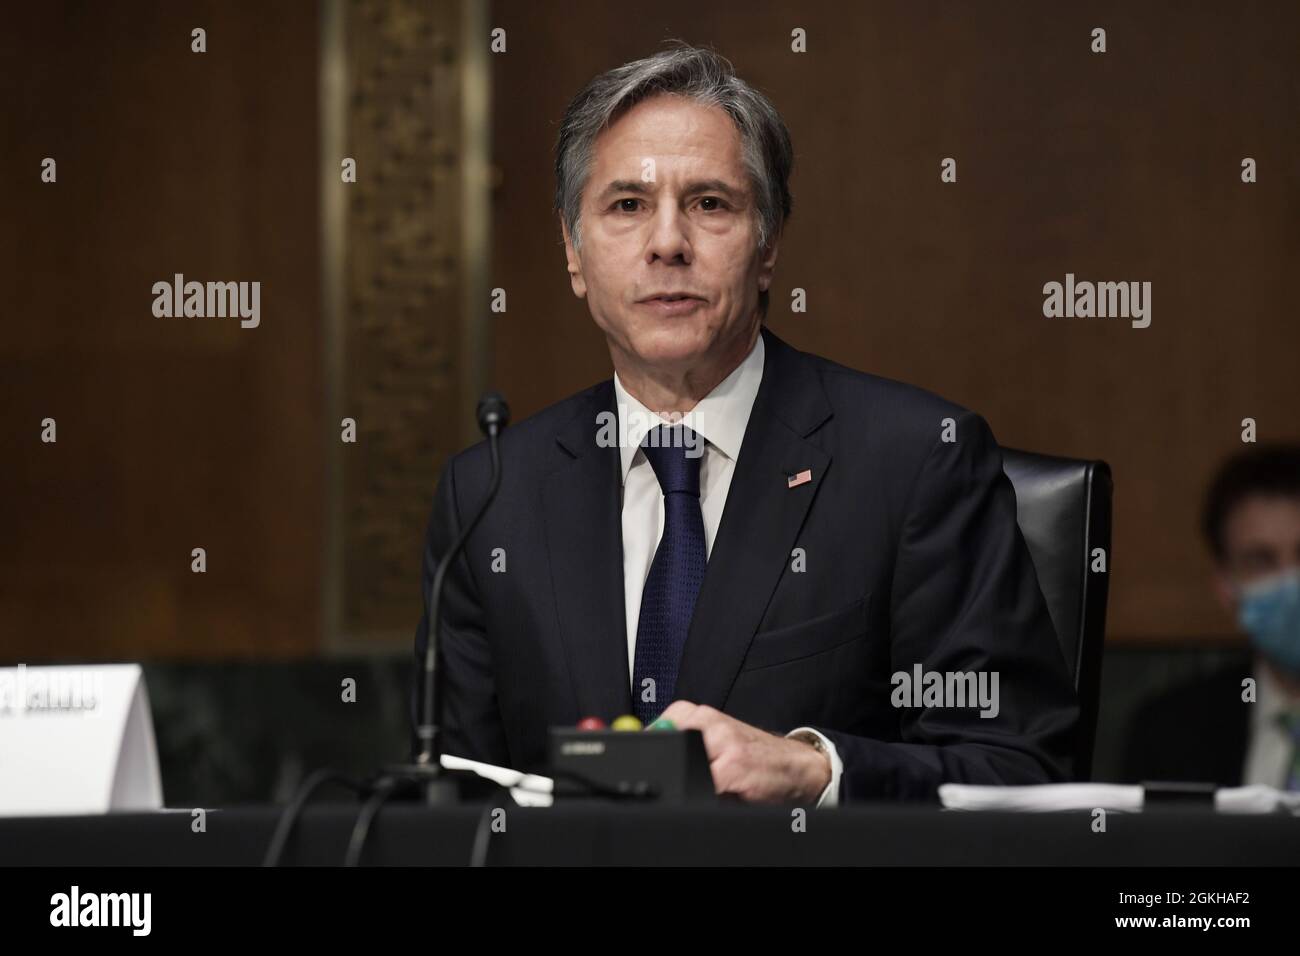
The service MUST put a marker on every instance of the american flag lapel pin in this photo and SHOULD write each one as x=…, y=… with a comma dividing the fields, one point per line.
x=802, y=478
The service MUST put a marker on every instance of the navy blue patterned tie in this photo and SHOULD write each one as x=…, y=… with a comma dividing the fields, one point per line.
x=676, y=573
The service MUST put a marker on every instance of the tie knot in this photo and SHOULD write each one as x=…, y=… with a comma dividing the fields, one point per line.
x=675, y=453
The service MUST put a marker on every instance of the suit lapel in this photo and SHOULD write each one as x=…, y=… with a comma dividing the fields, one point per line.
x=760, y=523
x=584, y=536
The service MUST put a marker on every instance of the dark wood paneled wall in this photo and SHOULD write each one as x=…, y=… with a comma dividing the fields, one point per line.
x=1116, y=166
x=183, y=433
x=173, y=433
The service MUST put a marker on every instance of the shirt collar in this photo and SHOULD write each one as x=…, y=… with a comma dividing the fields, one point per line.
x=1270, y=698
x=720, y=417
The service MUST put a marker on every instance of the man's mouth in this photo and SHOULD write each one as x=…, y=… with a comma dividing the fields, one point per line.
x=671, y=297
x=672, y=304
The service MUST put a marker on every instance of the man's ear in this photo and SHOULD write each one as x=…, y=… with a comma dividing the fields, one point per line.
x=767, y=264
x=574, y=262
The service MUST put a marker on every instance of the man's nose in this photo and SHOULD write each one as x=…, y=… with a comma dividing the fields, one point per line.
x=669, y=239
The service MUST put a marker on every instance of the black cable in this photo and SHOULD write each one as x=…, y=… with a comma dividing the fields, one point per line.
x=284, y=828
x=478, y=854
x=384, y=789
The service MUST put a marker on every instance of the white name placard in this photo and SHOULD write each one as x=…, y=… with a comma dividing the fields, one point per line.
x=76, y=740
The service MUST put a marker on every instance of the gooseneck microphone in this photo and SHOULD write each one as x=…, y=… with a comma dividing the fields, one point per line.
x=493, y=415
x=424, y=779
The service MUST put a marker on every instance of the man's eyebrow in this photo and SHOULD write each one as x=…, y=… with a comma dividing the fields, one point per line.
x=625, y=186
x=714, y=186
x=692, y=188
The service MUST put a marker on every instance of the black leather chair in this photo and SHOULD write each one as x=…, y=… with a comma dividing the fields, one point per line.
x=1063, y=509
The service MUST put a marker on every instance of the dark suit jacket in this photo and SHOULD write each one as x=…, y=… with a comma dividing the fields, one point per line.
x=913, y=555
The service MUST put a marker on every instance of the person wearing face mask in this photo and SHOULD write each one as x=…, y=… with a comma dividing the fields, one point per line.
x=1205, y=730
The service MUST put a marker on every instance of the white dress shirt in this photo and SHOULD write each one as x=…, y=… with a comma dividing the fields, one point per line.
x=720, y=419
x=1270, y=750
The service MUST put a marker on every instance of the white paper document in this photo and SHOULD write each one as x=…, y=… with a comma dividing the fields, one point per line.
x=1107, y=796
x=528, y=789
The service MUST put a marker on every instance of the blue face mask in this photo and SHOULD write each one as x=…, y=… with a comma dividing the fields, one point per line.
x=1269, y=611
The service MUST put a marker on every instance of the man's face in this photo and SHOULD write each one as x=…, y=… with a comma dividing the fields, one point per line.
x=1261, y=537
x=691, y=229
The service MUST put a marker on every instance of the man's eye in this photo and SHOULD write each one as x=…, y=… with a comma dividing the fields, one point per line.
x=1256, y=563
x=712, y=203
x=622, y=204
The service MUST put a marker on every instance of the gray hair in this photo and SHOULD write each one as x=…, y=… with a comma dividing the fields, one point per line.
x=705, y=77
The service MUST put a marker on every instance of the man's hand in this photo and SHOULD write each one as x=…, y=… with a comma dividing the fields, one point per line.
x=756, y=766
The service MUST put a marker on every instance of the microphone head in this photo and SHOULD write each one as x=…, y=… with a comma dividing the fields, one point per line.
x=493, y=412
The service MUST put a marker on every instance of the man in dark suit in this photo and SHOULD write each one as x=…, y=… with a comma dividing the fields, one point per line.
x=818, y=568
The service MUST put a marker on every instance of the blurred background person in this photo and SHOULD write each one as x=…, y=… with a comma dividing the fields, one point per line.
x=1240, y=723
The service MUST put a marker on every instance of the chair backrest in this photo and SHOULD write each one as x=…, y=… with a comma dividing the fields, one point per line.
x=1063, y=507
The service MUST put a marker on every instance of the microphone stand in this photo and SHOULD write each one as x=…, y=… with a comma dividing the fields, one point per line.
x=425, y=777
x=435, y=785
